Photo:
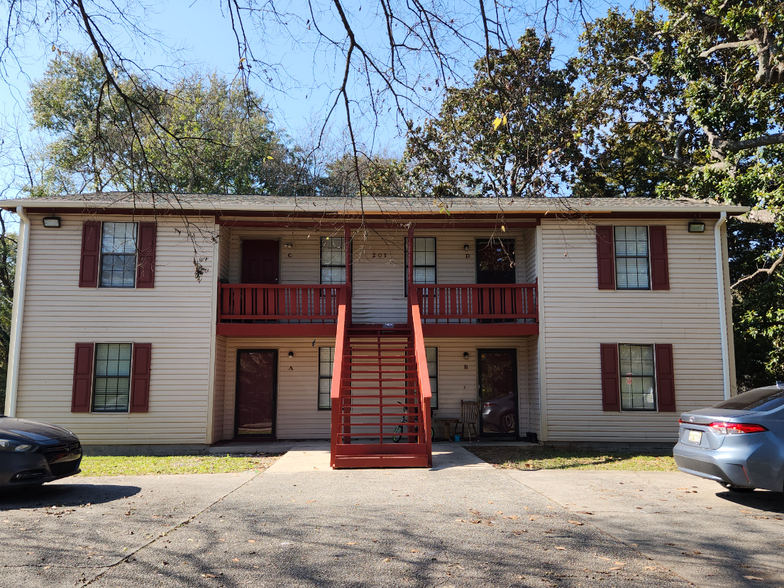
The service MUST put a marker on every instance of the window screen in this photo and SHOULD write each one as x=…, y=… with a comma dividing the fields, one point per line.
x=333, y=260
x=326, y=361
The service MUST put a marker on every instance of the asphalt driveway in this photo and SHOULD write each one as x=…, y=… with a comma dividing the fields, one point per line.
x=461, y=524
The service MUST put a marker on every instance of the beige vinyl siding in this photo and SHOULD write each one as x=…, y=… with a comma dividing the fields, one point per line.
x=378, y=282
x=219, y=399
x=298, y=264
x=174, y=317
x=458, y=378
x=534, y=401
x=579, y=317
x=528, y=256
x=298, y=416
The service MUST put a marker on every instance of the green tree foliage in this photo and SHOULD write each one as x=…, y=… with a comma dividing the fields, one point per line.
x=200, y=134
x=374, y=176
x=7, y=269
x=507, y=135
x=691, y=104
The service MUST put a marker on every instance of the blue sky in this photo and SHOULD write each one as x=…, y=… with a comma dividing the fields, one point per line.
x=197, y=32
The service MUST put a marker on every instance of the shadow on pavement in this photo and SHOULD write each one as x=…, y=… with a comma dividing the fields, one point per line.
x=63, y=495
x=759, y=499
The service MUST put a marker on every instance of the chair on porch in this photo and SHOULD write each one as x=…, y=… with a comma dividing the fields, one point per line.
x=469, y=414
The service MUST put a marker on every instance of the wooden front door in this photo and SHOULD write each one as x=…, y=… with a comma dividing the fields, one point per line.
x=260, y=262
x=257, y=375
x=498, y=392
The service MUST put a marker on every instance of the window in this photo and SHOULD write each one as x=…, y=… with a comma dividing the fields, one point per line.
x=637, y=377
x=424, y=261
x=631, y=258
x=118, y=255
x=111, y=377
x=333, y=260
x=432, y=370
x=326, y=361
x=112, y=386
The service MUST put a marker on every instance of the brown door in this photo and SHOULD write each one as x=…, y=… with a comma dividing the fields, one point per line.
x=495, y=261
x=498, y=391
x=260, y=262
x=256, y=393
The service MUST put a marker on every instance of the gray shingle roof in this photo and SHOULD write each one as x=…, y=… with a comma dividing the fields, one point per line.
x=231, y=203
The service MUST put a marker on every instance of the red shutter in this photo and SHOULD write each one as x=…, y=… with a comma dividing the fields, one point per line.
x=611, y=392
x=140, y=377
x=605, y=257
x=145, y=268
x=91, y=253
x=83, y=378
x=660, y=274
x=665, y=378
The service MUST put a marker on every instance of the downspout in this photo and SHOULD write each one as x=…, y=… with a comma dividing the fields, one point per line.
x=721, y=262
x=215, y=287
x=20, y=283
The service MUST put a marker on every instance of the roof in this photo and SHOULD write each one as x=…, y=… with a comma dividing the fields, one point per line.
x=234, y=204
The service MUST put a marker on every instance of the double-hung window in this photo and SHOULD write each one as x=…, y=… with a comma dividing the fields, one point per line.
x=326, y=361
x=637, y=377
x=112, y=386
x=118, y=255
x=424, y=267
x=631, y=258
x=333, y=260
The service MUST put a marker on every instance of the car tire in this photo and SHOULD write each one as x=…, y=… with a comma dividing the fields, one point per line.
x=738, y=489
x=508, y=422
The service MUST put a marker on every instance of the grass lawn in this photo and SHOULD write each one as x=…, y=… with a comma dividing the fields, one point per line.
x=177, y=464
x=546, y=458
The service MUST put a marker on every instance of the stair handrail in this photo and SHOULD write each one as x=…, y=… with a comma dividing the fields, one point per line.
x=337, y=371
x=423, y=377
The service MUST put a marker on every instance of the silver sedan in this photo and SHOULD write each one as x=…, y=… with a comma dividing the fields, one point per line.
x=738, y=443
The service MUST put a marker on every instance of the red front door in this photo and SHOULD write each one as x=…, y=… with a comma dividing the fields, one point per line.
x=260, y=262
x=257, y=372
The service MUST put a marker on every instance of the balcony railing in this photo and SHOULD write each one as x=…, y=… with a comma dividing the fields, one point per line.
x=284, y=304
x=477, y=303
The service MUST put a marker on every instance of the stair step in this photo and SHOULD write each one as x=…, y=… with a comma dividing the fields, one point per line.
x=380, y=461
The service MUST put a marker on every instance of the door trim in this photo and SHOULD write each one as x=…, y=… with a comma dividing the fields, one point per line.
x=273, y=435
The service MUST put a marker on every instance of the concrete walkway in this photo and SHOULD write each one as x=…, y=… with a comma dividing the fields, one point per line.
x=461, y=524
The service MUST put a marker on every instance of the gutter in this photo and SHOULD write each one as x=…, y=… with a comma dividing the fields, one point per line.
x=17, y=313
x=721, y=277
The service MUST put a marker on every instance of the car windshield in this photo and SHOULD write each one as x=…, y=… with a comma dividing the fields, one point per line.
x=760, y=399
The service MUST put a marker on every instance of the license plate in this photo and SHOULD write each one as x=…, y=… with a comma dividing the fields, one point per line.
x=695, y=437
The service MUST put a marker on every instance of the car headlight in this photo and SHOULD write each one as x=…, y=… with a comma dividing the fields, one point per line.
x=11, y=445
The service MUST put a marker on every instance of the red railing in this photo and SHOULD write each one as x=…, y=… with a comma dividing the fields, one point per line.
x=474, y=303
x=423, y=377
x=338, y=369
x=280, y=303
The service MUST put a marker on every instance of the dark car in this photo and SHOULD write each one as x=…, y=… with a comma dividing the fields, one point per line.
x=32, y=452
x=738, y=443
x=498, y=414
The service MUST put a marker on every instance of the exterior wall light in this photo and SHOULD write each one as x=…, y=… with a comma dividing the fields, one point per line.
x=52, y=222
x=696, y=227
x=466, y=248
x=291, y=354
x=288, y=245
x=465, y=355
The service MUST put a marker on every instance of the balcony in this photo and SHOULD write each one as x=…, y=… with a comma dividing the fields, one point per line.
x=478, y=309
x=268, y=310
x=447, y=310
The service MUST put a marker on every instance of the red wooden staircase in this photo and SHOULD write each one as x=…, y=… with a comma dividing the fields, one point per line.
x=380, y=412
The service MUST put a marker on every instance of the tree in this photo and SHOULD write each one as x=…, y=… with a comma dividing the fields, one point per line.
x=201, y=134
x=348, y=176
x=507, y=135
x=7, y=269
x=691, y=104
